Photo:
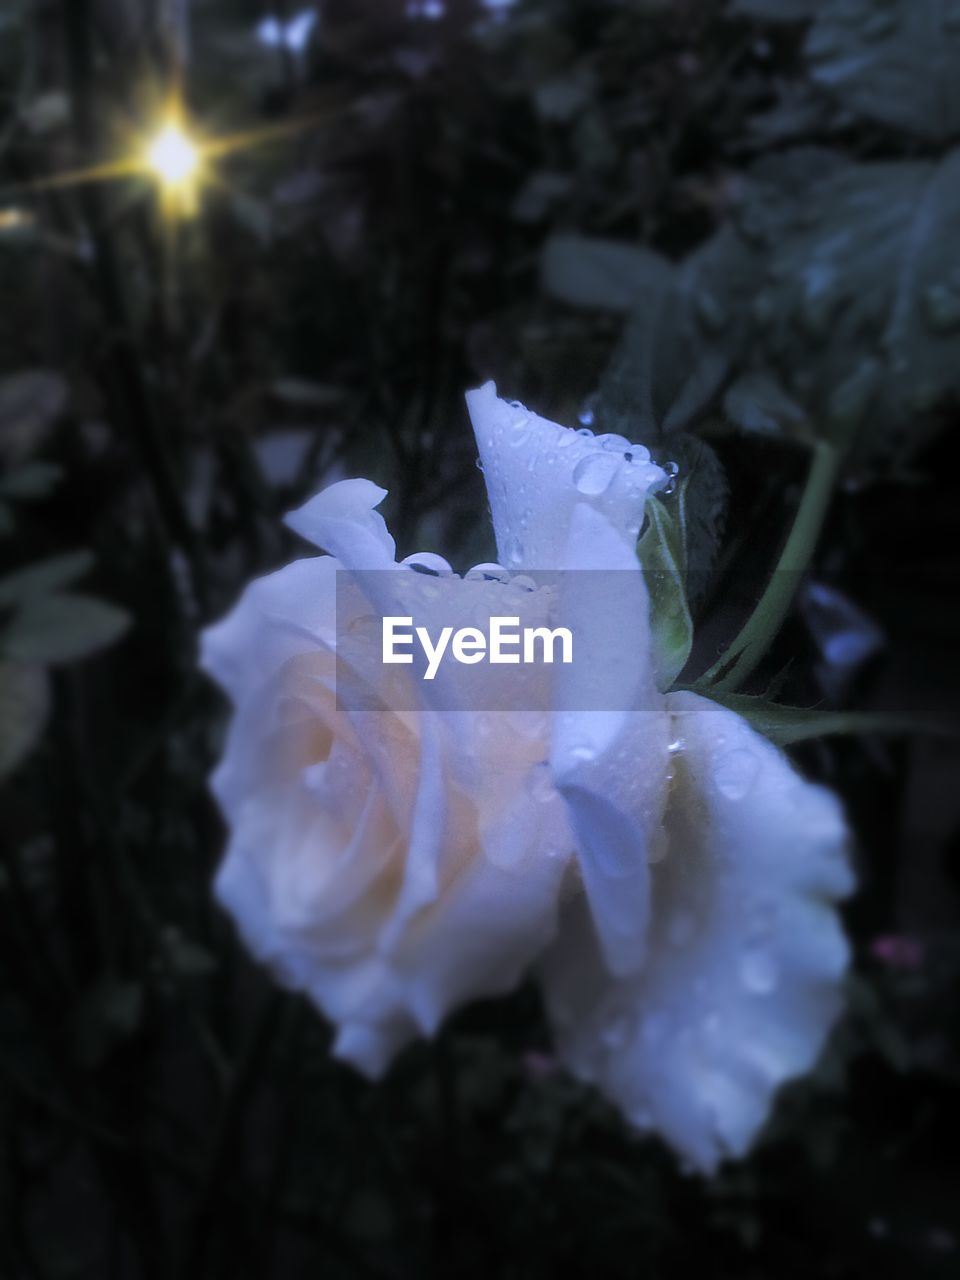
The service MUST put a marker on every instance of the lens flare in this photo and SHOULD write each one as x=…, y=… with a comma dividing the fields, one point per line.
x=174, y=159
x=172, y=156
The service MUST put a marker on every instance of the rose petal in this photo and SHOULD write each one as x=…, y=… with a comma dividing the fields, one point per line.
x=609, y=742
x=342, y=520
x=745, y=951
x=537, y=472
x=270, y=623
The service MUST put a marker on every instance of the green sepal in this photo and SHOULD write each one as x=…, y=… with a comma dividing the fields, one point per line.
x=662, y=554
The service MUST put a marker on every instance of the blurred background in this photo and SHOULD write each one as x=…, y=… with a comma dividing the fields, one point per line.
x=730, y=230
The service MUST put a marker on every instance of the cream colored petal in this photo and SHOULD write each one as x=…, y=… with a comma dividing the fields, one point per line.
x=537, y=472
x=610, y=733
x=746, y=954
x=342, y=520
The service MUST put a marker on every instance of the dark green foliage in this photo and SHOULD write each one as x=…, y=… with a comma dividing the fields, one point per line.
x=733, y=230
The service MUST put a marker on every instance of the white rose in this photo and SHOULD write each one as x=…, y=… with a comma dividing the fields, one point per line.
x=662, y=867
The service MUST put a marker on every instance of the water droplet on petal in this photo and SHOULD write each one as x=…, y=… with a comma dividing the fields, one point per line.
x=583, y=754
x=513, y=551
x=427, y=562
x=676, y=747
x=594, y=474
x=614, y=443
x=735, y=773
x=488, y=573
x=671, y=470
x=519, y=430
x=523, y=583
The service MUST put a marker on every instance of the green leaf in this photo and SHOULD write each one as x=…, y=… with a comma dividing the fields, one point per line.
x=757, y=402
x=788, y=725
x=44, y=576
x=677, y=349
x=895, y=63
x=24, y=708
x=662, y=553
x=35, y=480
x=861, y=306
x=589, y=272
x=62, y=628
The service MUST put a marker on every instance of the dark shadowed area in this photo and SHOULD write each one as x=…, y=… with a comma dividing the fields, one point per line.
x=729, y=229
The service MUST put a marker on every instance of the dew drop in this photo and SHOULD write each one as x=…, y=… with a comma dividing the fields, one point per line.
x=427, y=562
x=513, y=551
x=523, y=583
x=519, y=430
x=479, y=464
x=594, y=474
x=676, y=747
x=488, y=573
x=614, y=443
x=735, y=773
x=671, y=470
